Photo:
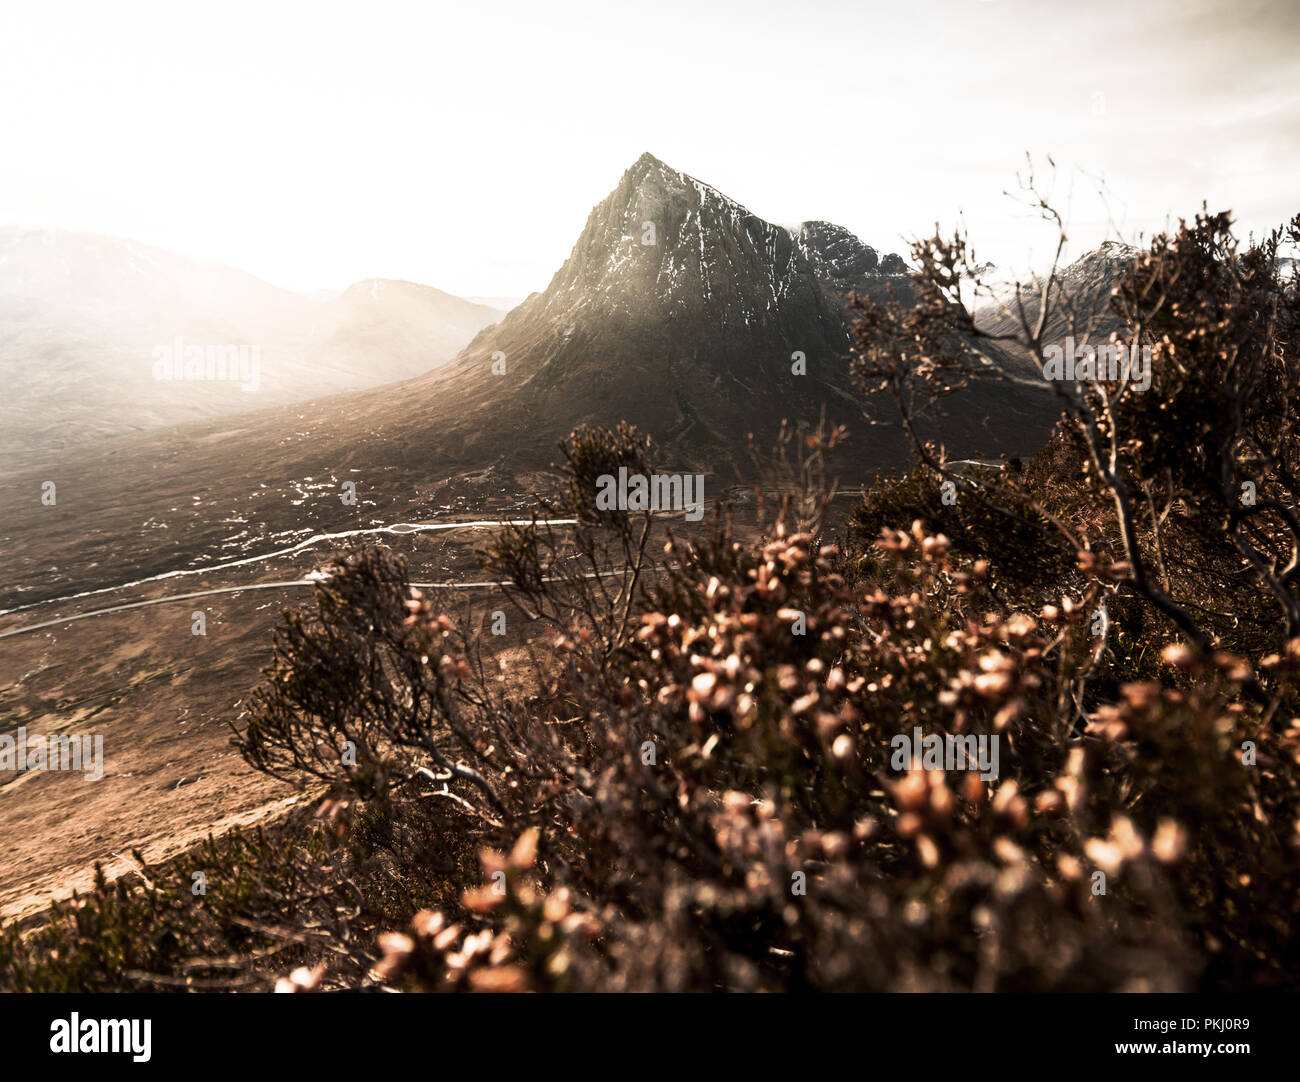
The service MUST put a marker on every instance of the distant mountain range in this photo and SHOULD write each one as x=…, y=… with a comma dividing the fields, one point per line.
x=81, y=317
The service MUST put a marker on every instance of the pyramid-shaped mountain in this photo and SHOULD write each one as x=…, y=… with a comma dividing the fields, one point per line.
x=682, y=312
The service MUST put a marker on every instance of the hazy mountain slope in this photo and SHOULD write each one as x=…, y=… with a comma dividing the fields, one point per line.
x=501, y=304
x=82, y=316
x=1087, y=282
x=392, y=330
x=130, y=284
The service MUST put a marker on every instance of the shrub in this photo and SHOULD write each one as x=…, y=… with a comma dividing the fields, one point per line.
x=695, y=784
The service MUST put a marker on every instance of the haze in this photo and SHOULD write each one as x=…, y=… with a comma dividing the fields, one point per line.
x=463, y=145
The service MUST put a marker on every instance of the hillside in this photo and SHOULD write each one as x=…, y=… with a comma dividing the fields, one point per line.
x=83, y=318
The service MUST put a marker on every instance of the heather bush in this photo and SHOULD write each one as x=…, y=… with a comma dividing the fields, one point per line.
x=692, y=782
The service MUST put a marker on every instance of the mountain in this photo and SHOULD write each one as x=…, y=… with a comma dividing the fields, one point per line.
x=846, y=265
x=501, y=304
x=1087, y=282
x=130, y=285
x=677, y=310
x=681, y=311
x=684, y=313
x=82, y=318
x=391, y=330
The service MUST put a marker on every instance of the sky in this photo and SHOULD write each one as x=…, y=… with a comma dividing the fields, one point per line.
x=463, y=145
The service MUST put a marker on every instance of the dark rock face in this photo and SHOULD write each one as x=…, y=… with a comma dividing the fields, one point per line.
x=837, y=256
x=845, y=265
x=893, y=264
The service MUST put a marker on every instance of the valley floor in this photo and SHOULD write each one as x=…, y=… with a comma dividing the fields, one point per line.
x=163, y=698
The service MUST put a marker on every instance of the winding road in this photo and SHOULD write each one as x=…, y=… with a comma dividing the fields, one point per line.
x=399, y=529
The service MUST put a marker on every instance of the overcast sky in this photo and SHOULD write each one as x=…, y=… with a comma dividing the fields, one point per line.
x=463, y=145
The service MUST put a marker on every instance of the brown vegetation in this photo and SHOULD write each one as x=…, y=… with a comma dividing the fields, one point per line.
x=696, y=789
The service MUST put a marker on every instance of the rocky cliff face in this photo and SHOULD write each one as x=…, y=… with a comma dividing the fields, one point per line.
x=838, y=257
x=846, y=265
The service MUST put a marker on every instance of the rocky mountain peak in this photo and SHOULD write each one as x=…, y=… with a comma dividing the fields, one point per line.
x=683, y=306
x=835, y=253
x=664, y=242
